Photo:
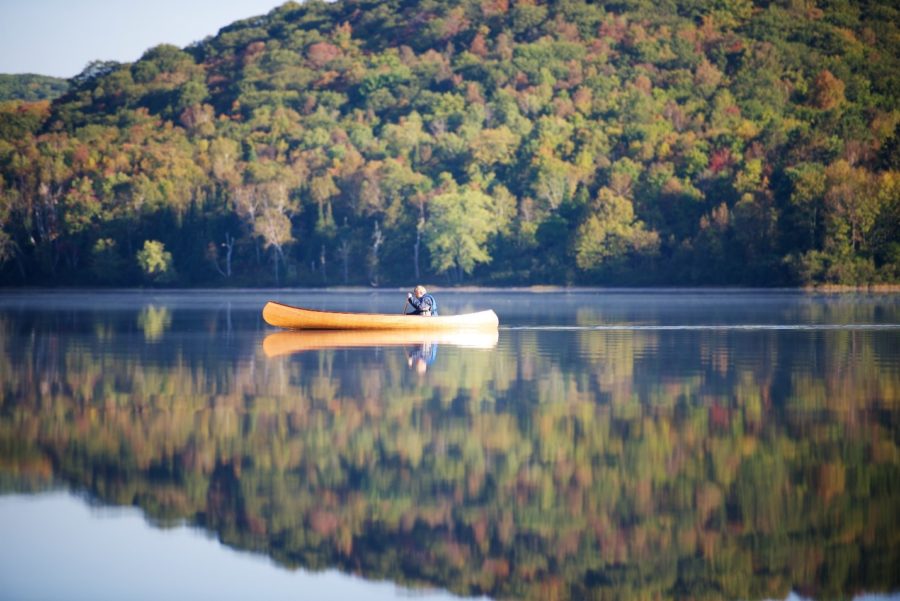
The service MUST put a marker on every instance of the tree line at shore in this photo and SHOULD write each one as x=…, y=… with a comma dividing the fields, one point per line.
x=480, y=141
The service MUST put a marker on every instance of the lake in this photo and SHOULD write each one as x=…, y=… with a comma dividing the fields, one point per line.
x=724, y=444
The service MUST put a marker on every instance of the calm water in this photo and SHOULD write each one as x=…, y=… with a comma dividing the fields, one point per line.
x=606, y=444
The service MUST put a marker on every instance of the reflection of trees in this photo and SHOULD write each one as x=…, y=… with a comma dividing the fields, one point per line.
x=154, y=321
x=578, y=465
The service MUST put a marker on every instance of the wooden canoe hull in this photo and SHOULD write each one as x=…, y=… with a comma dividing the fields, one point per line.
x=287, y=343
x=297, y=318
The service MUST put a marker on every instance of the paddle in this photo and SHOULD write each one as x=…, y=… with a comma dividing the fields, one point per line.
x=403, y=311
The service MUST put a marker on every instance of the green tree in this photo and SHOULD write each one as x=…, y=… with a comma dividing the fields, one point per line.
x=851, y=199
x=155, y=261
x=807, y=195
x=457, y=232
x=612, y=234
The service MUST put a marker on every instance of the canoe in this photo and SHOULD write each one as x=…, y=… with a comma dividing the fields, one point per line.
x=288, y=343
x=297, y=318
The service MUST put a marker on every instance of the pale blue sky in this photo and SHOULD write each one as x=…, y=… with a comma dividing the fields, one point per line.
x=60, y=37
x=57, y=545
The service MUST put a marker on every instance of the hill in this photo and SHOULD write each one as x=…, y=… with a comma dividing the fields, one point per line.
x=486, y=141
x=31, y=87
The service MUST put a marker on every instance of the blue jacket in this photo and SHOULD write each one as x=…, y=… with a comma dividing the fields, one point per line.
x=424, y=306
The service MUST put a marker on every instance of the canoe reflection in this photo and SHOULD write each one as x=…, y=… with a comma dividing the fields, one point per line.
x=286, y=343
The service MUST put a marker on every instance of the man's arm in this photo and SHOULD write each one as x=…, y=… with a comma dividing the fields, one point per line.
x=415, y=302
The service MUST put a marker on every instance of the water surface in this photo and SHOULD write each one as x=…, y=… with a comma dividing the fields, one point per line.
x=725, y=444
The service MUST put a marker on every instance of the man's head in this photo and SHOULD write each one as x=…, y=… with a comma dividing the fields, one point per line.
x=419, y=291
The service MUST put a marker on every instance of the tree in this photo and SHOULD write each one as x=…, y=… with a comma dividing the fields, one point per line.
x=107, y=265
x=495, y=146
x=808, y=182
x=267, y=208
x=93, y=71
x=458, y=228
x=7, y=243
x=827, y=91
x=155, y=261
x=212, y=255
x=851, y=199
x=612, y=234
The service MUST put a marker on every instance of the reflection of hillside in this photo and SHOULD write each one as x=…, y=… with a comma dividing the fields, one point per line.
x=558, y=466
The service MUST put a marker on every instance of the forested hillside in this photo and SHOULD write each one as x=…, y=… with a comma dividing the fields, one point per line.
x=31, y=87
x=479, y=141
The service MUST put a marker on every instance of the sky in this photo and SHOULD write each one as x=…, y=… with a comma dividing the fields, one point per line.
x=57, y=545
x=60, y=37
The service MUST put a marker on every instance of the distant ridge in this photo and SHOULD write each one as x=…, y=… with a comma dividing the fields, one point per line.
x=31, y=87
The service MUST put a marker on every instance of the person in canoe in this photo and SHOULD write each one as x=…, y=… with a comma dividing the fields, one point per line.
x=421, y=302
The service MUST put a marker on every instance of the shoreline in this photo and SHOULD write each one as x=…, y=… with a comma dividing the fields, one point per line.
x=878, y=288
x=537, y=288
